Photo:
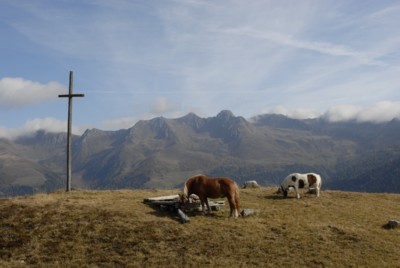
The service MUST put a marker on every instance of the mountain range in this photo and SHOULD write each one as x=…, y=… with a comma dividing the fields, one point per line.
x=162, y=153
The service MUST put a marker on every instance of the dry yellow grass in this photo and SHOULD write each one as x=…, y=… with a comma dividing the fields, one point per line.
x=115, y=229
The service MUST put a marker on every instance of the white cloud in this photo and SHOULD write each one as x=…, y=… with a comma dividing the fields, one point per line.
x=342, y=113
x=380, y=112
x=48, y=124
x=17, y=92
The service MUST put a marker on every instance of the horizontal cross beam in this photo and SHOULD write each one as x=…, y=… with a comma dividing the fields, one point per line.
x=71, y=95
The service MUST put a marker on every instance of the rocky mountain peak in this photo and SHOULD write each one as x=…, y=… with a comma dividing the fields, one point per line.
x=192, y=120
x=225, y=115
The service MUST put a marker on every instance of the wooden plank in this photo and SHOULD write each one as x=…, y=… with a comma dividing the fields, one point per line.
x=168, y=198
x=184, y=218
x=171, y=203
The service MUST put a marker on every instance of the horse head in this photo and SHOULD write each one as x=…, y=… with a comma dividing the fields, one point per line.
x=184, y=199
x=184, y=196
x=283, y=191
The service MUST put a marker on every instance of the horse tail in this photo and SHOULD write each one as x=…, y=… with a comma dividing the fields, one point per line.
x=236, y=190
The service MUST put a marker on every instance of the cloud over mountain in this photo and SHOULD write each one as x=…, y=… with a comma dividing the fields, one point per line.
x=380, y=112
x=48, y=124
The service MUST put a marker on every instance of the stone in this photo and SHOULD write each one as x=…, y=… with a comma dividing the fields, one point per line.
x=247, y=212
x=393, y=224
x=251, y=184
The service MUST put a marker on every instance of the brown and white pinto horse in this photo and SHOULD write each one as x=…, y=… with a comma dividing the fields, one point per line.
x=205, y=187
x=300, y=181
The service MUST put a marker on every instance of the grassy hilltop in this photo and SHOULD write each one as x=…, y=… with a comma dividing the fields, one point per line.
x=115, y=229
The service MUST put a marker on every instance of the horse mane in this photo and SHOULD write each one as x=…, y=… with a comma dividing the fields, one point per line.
x=198, y=175
x=185, y=190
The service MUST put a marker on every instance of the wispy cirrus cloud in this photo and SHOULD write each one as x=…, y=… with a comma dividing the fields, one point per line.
x=167, y=58
x=320, y=47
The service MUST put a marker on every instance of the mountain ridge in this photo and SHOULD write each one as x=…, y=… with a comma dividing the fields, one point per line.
x=162, y=153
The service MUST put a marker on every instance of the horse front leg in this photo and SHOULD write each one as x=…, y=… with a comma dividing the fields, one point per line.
x=297, y=192
x=208, y=206
x=202, y=201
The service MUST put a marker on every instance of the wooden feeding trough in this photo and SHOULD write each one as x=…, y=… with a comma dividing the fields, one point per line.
x=168, y=202
x=173, y=203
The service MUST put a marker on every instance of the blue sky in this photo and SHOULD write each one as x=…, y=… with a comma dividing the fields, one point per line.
x=141, y=59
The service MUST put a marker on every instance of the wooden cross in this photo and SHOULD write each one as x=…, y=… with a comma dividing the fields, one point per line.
x=69, y=143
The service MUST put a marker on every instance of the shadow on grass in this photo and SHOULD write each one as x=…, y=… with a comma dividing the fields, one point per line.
x=278, y=197
x=392, y=224
x=172, y=213
x=165, y=213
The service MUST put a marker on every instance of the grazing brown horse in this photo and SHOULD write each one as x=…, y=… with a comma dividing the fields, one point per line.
x=205, y=187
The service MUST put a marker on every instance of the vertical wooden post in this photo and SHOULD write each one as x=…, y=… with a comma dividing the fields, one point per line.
x=69, y=143
x=69, y=129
